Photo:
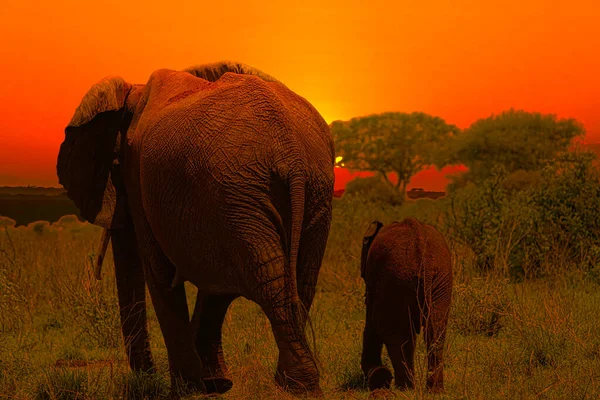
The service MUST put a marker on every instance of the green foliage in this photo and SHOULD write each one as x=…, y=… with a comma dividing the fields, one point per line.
x=62, y=384
x=514, y=140
x=398, y=143
x=475, y=217
x=566, y=217
x=528, y=224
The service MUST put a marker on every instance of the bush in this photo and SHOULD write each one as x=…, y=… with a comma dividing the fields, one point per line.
x=567, y=219
x=531, y=224
x=374, y=190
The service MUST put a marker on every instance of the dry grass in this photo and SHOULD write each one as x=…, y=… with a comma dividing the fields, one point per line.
x=59, y=336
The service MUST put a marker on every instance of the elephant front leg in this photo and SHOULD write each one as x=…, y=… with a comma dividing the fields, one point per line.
x=131, y=291
x=207, y=323
x=173, y=316
x=378, y=376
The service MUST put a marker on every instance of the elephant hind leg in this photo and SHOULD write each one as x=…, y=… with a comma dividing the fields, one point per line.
x=296, y=368
x=399, y=333
x=402, y=352
x=207, y=323
x=378, y=376
x=310, y=255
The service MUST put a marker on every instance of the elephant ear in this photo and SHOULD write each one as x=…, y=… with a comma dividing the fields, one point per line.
x=89, y=153
x=368, y=238
x=212, y=72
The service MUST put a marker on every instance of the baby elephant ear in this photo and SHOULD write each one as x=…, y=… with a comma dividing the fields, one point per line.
x=370, y=234
x=90, y=151
x=372, y=230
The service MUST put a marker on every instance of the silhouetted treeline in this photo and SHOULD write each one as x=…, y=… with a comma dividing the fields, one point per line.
x=42, y=204
x=31, y=190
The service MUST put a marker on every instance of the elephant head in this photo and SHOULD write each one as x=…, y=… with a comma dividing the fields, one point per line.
x=370, y=234
x=88, y=160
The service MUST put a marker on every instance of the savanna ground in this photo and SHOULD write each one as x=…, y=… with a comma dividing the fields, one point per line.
x=518, y=339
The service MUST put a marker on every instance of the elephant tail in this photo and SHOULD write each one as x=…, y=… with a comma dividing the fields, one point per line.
x=297, y=198
x=297, y=185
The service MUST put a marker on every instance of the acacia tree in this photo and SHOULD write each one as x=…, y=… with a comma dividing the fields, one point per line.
x=514, y=140
x=393, y=142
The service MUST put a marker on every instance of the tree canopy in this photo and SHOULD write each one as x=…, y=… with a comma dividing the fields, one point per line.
x=515, y=140
x=393, y=142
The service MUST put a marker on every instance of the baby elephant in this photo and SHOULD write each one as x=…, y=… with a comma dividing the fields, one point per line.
x=408, y=275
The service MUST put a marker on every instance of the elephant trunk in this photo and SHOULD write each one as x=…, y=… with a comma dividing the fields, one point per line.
x=101, y=253
x=132, y=298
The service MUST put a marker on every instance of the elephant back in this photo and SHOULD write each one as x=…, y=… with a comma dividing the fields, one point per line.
x=213, y=71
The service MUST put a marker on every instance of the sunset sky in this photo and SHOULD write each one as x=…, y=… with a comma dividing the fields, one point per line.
x=460, y=60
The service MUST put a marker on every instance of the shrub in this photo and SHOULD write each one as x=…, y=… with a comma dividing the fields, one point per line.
x=531, y=224
x=374, y=190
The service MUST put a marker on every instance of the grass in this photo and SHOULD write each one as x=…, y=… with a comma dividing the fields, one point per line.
x=60, y=338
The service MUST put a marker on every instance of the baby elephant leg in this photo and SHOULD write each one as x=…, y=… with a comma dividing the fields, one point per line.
x=401, y=350
x=401, y=335
x=378, y=376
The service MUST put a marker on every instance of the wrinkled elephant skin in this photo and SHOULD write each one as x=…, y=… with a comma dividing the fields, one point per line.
x=218, y=175
x=407, y=270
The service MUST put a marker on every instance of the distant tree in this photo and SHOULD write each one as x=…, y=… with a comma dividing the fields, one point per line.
x=515, y=140
x=393, y=142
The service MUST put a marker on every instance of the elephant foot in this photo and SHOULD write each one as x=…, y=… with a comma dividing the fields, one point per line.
x=218, y=384
x=379, y=378
x=299, y=384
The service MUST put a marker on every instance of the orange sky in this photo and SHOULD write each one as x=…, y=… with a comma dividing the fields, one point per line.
x=460, y=60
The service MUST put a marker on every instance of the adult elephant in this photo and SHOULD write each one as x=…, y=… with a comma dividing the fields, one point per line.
x=218, y=175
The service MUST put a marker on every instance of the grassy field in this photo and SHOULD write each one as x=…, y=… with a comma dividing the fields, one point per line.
x=60, y=337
